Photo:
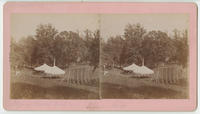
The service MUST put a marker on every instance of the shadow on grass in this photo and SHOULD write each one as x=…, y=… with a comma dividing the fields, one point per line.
x=142, y=77
x=55, y=77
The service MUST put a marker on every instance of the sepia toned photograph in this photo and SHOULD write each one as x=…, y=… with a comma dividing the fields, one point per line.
x=99, y=56
x=144, y=56
x=54, y=56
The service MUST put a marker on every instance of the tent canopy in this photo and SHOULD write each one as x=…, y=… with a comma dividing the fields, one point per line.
x=50, y=70
x=42, y=67
x=144, y=70
x=54, y=70
x=139, y=69
x=132, y=67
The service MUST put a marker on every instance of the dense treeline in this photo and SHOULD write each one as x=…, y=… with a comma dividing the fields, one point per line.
x=136, y=45
x=66, y=47
x=153, y=48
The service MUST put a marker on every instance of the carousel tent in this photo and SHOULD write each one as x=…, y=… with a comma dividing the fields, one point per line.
x=144, y=70
x=139, y=69
x=132, y=67
x=54, y=70
x=42, y=67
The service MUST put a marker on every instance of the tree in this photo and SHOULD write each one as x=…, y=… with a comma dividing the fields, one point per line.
x=181, y=47
x=157, y=47
x=87, y=39
x=138, y=46
x=27, y=46
x=122, y=55
x=45, y=36
x=134, y=35
x=94, y=50
x=69, y=47
x=113, y=48
x=15, y=54
x=66, y=47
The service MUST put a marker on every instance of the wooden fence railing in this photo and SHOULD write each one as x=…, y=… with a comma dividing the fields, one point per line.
x=167, y=74
x=81, y=75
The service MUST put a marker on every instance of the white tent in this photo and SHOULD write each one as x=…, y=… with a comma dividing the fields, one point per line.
x=54, y=70
x=42, y=67
x=139, y=69
x=144, y=70
x=132, y=67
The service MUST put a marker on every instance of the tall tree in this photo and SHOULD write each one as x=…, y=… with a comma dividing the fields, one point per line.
x=45, y=36
x=15, y=54
x=28, y=47
x=94, y=50
x=134, y=35
x=157, y=47
x=112, y=48
x=181, y=47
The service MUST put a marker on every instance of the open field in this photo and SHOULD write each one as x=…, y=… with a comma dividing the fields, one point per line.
x=119, y=86
x=114, y=85
x=30, y=91
x=28, y=85
x=114, y=91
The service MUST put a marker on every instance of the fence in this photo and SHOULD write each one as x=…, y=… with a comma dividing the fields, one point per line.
x=81, y=75
x=168, y=74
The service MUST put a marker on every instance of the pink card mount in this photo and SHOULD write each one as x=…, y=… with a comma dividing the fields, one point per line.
x=80, y=82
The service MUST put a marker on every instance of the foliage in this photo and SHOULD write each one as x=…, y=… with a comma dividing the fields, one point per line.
x=65, y=47
x=112, y=49
x=182, y=48
x=136, y=45
x=152, y=47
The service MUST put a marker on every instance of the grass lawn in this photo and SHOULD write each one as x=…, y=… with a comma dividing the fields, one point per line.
x=29, y=91
x=120, y=86
x=31, y=85
x=113, y=86
x=114, y=91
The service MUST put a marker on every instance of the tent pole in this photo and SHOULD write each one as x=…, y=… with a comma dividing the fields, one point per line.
x=142, y=61
x=54, y=64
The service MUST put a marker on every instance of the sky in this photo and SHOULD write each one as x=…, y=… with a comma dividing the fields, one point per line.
x=23, y=25
x=115, y=24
